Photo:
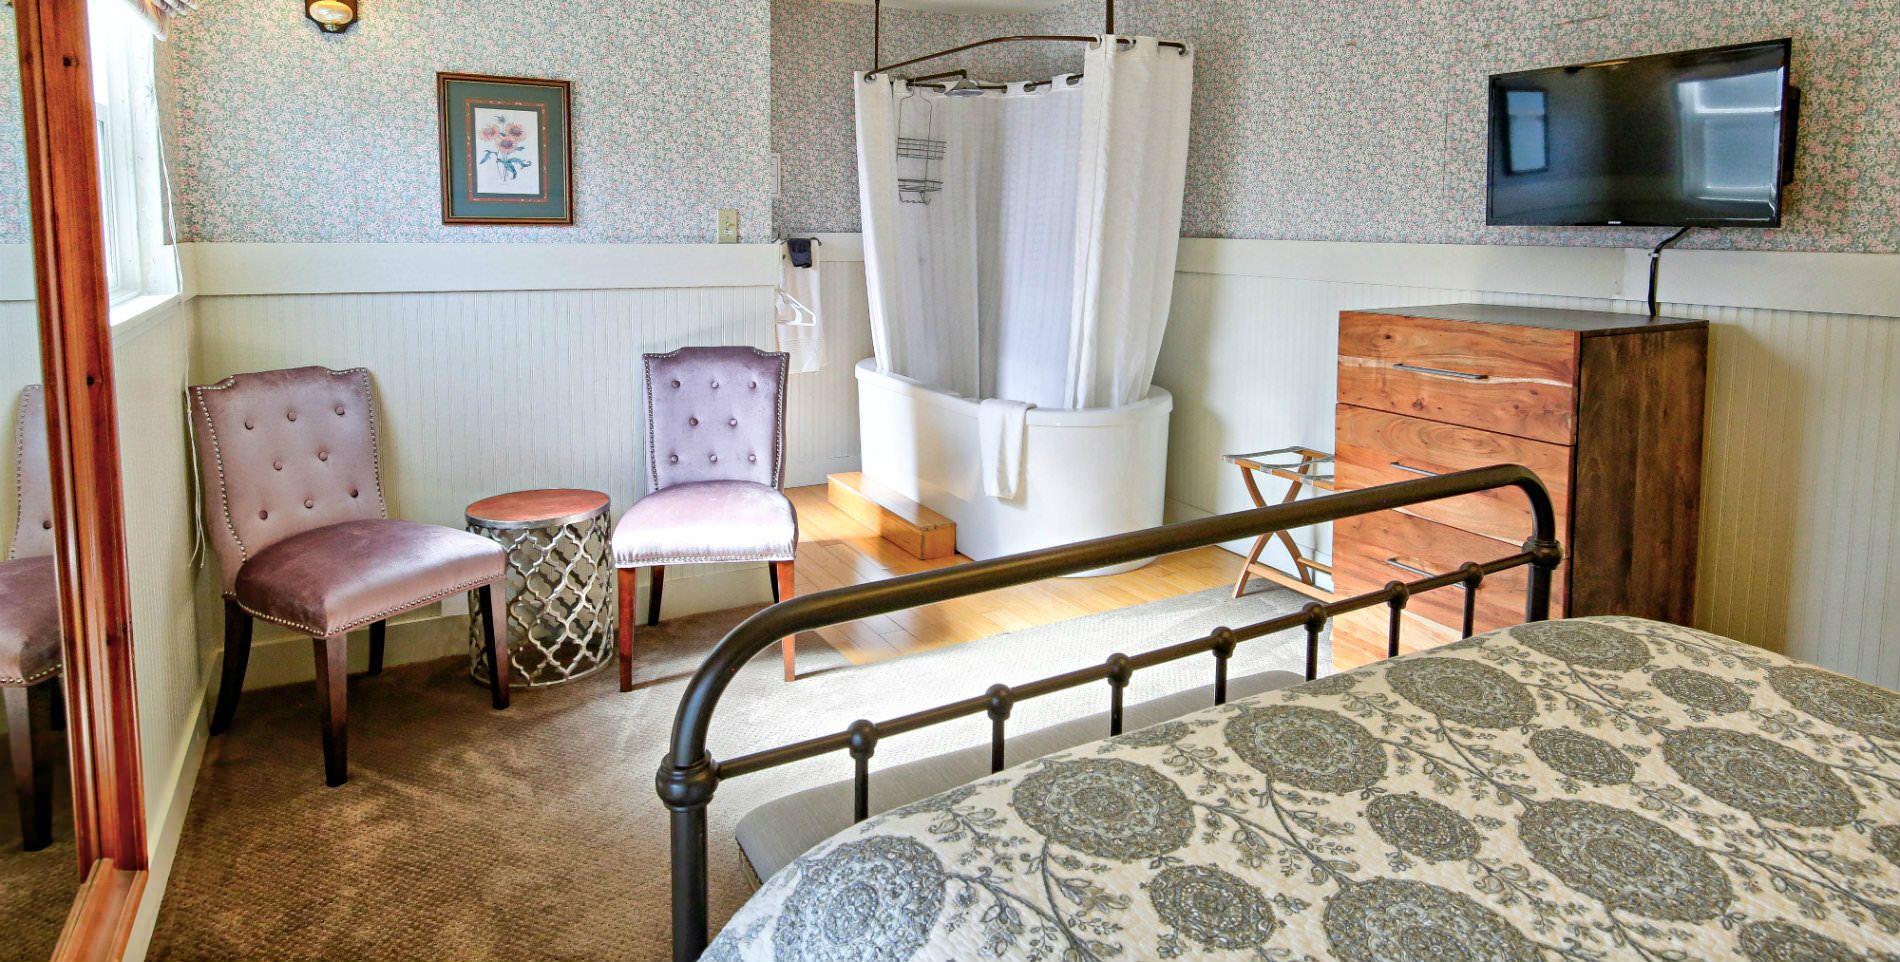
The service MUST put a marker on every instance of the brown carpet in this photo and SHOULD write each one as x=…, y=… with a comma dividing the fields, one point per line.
x=36, y=888
x=534, y=833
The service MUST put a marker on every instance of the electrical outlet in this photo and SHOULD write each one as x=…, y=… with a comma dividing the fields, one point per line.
x=728, y=225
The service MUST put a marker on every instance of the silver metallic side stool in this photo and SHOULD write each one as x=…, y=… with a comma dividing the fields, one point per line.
x=560, y=583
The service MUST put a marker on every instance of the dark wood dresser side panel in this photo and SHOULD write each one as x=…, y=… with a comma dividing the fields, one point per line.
x=1638, y=483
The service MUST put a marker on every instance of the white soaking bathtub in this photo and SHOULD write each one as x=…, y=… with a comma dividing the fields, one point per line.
x=1086, y=473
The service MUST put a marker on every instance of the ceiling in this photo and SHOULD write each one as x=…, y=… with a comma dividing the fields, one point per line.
x=966, y=6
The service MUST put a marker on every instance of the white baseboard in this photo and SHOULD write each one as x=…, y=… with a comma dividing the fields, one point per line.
x=168, y=822
x=279, y=657
x=799, y=474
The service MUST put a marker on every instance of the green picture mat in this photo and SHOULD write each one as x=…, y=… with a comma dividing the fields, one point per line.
x=552, y=100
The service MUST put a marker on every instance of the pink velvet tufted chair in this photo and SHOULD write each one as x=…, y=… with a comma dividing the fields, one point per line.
x=293, y=504
x=715, y=462
x=30, y=628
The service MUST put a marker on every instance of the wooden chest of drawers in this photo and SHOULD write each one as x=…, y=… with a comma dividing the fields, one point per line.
x=1606, y=408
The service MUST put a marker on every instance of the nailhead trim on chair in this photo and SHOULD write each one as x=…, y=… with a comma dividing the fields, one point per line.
x=217, y=451
x=317, y=632
x=778, y=441
x=11, y=682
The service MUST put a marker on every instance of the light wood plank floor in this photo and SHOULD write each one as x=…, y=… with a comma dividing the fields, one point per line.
x=835, y=551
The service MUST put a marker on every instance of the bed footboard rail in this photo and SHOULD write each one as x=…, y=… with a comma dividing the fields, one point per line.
x=688, y=776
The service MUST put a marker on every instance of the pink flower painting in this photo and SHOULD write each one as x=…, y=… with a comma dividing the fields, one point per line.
x=507, y=150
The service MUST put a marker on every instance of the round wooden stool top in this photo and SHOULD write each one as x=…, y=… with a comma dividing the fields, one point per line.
x=540, y=508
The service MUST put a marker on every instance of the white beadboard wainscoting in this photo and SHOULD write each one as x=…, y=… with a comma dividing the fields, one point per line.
x=1801, y=514
x=483, y=390
x=19, y=367
x=151, y=360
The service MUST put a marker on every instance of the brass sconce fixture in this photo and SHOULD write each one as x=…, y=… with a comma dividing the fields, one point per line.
x=334, y=16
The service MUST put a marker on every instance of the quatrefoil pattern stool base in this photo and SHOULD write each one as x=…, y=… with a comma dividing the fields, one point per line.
x=561, y=606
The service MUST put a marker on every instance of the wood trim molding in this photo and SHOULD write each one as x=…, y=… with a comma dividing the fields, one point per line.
x=100, y=923
x=215, y=269
x=76, y=357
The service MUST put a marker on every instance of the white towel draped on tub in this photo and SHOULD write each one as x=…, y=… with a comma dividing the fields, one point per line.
x=1000, y=429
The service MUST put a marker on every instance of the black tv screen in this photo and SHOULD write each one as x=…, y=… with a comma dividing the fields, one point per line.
x=1698, y=138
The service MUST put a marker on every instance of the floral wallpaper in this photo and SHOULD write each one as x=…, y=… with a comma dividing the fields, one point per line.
x=1365, y=120
x=281, y=133
x=15, y=221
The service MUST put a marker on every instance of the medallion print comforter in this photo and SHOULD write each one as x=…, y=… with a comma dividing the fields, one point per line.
x=1593, y=789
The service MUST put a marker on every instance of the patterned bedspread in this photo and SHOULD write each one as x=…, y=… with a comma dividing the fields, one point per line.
x=1604, y=788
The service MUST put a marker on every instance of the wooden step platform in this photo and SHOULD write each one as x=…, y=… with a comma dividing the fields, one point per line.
x=923, y=533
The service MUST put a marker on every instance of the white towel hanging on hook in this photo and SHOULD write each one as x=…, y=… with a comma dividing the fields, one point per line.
x=801, y=331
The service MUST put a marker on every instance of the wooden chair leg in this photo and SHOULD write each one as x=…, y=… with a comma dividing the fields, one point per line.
x=377, y=633
x=623, y=630
x=772, y=571
x=656, y=585
x=494, y=602
x=32, y=768
x=782, y=577
x=56, y=690
x=237, y=654
x=333, y=665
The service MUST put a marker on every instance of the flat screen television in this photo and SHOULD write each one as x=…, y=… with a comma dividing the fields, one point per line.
x=1700, y=138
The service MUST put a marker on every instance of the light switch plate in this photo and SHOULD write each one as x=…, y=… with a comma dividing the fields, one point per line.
x=728, y=225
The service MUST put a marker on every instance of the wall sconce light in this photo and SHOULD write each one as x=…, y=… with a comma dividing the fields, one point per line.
x=334, y=16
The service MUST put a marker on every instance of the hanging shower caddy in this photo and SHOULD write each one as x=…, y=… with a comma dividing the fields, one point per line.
x=921, y=156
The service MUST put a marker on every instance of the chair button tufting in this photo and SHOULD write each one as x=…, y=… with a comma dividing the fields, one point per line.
x=323, y=455
x=248, y=425
x=732, y=422
x=309, y=502
x=714, y=459
x=291, y=415
x=46, y=526
x=673, y=459
x=277, y=465
x=339, y=410
x=715, y=385
x=263, y=516
x=352, y=492
x=755, y=385
x=676, y=384
x=752, y=457
x=692, y=422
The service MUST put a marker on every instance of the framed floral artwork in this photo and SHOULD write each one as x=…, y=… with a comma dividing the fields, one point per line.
x=507, y=157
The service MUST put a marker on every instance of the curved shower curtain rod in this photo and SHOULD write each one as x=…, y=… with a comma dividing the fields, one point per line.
x=877, y=16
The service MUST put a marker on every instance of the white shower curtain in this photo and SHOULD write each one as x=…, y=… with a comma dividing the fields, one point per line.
x=1133, y=167
x=1041, y=272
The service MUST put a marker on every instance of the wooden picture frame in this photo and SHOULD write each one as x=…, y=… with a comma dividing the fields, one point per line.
x=83, y=447
x=507, y=150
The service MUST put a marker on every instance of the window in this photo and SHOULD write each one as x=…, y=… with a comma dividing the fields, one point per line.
x=1731, y=148
x=1527, y=132
x=125, y=106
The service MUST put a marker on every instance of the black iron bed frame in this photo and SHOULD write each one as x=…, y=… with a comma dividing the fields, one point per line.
x=688, y=776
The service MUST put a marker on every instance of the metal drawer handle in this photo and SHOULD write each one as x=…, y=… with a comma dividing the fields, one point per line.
x=1421, y=572
x=1402, y=466
x=1441, y=372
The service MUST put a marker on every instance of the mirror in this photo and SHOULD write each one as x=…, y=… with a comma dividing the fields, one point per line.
x=38, y=861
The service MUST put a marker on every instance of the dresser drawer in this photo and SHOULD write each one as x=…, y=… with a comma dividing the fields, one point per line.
x=1376, y=447
x=1373, y=549
x=1498, y=377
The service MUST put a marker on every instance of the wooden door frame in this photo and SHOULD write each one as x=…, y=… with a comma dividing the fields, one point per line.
x=95, y=594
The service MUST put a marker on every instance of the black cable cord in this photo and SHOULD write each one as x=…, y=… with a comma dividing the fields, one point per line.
x=1655, y=264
